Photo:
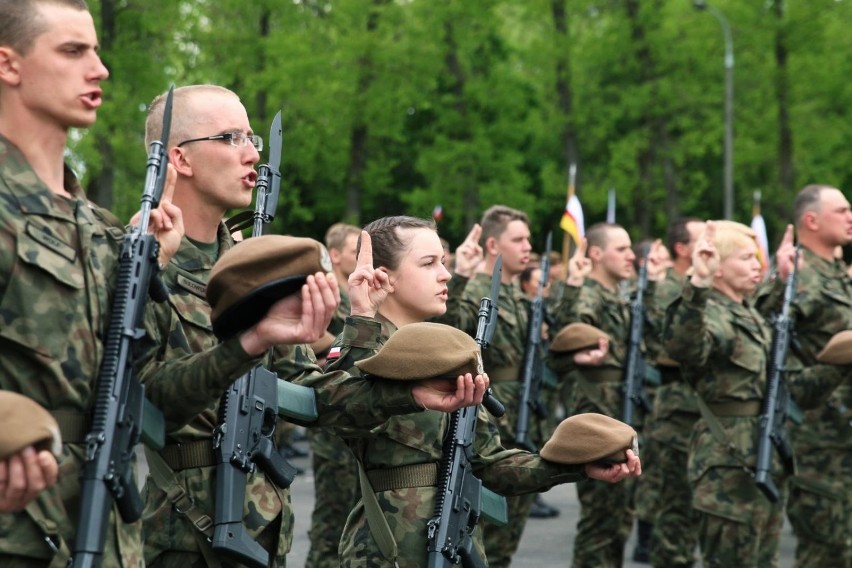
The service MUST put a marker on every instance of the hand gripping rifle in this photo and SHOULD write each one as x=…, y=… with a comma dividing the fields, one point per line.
x=250, y=407
x=634, y=372
x=775, y=401
x=122, y=416
x=531, y=376
x=461, y=497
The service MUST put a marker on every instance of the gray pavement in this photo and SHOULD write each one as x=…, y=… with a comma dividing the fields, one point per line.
x=546, y=542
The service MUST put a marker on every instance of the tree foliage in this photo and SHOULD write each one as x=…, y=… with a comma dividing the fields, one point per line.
x=396, y=106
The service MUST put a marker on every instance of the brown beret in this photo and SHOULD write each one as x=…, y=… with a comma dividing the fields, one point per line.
x=838, y=350
x=23, y=422
x=321, y=346
x=424, y=351
x=586, y=438
x=256, y=273
x=576, y=336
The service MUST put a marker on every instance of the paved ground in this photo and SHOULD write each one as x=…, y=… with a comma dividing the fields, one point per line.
x=545, y=542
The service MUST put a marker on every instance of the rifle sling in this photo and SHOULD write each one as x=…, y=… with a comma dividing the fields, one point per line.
x=718, y=432
x=183, y=504
x=189, y=455
x=404, y=476
x=376, y=520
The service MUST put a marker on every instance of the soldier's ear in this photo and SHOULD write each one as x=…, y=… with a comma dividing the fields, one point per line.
x=9, y=66
x=179, y=158
x=491, y=247
x=595, y=253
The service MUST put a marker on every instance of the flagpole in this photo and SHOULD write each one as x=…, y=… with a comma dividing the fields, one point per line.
x=566, y=239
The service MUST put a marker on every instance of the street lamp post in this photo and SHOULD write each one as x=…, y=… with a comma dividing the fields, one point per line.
x=729, y=105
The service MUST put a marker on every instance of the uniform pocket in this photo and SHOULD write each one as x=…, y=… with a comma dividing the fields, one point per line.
x=45, y=286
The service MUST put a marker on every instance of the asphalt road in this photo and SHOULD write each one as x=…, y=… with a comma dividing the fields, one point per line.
x=546, y=542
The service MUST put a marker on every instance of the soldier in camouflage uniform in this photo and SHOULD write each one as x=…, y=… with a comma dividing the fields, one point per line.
x=503, y=231
x=675, y=411
x=723, y=344
x=410, y=252
x=334, y=466
x=820, y=505
x=58, y=258
x=601, y=535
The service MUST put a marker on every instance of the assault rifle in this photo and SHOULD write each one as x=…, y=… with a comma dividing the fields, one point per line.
x=532, y=368
x=250, y=407
x=635, y=370
x=122, y=416
x=461, y=498
x=776, y=399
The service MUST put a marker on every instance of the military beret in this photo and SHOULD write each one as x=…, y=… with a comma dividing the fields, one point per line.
x=256, y=273
x=424, y=350
x=576, y=336
x=321, y=346
x=586, y=438
x=838, y=350
x=25, y=423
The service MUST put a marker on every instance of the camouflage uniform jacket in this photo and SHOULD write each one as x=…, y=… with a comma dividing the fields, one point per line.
x=189, y=337
x=723, y=347
x=821, y=308
x=58, y=258
x=609, y=311
x=335, y=327
x=504, y=357
x=418, y=439
x=675, y=409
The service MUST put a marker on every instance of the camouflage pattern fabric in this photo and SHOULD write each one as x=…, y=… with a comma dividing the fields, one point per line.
x=506, y=351
x=822, y=307
x=170, y=538
x=57, y=264
x=669, y=428
x=606, y=511
x=336, y=492
x=418, y=439
x=723, y=346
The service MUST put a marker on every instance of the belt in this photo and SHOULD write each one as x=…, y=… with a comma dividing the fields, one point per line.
x=739, y=408
x=73, y=426
x=602, y=375
x=192, y=454
x=504, y=374
x=669, y=375
x=404, y=476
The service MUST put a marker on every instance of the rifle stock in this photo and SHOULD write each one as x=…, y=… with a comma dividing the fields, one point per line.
x=776, y=399
x=250, y=407
x=122, y=417
x=634, y=372
x=459, y=502
x=530, y=401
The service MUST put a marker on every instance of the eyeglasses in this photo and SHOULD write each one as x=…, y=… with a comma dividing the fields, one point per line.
x=237, y=138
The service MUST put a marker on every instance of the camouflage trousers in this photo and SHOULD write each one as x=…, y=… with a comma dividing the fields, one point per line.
x=501, y=542
x=676, y=522
x=646, y=494
x=407, y=512
x=745, y=529
x=336, y=491
x=606, y=519
x=820, y=509
x=171, y=541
